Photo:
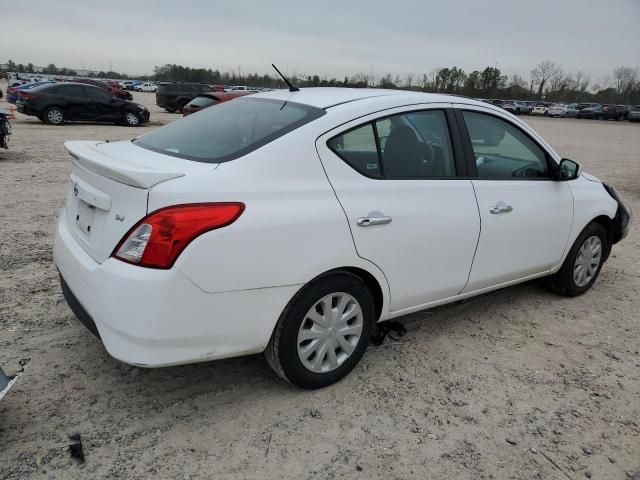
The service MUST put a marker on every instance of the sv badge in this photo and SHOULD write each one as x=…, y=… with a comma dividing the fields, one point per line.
x=119, y=218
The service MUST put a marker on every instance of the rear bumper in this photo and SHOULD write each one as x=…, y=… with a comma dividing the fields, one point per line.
x=155, y=318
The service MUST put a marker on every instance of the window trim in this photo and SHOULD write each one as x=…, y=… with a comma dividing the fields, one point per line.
x=552, y=166
x=457, y=150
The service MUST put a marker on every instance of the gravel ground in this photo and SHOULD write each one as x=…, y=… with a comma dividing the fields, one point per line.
x=519, y=383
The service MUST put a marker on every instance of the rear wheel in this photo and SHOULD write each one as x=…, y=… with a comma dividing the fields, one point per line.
x=54, y=116
x=323, y=332
x=583, y=263
x=170, y=109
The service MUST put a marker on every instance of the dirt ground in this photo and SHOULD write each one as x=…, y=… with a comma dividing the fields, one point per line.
x=516, y=384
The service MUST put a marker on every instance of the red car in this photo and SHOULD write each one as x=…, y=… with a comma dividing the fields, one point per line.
x=113, y=88
x=206, y=100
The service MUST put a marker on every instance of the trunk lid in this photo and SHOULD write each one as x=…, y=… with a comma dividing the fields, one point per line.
x=108, y=190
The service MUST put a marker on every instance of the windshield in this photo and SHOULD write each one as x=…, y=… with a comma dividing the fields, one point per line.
x=230, y=130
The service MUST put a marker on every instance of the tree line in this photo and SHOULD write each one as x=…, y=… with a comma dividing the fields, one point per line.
x=547, y=81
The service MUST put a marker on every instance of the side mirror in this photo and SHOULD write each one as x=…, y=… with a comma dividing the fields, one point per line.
x=569, y=170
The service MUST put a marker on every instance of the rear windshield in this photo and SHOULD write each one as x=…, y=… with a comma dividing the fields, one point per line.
x=202, y=101
x=230, y=130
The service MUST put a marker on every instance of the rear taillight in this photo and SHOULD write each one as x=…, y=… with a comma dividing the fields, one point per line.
x=26, y=96
x=157, y=240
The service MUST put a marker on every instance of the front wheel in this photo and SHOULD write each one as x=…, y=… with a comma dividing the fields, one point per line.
x=131, y=119
x=323, y=332
x=583, y=263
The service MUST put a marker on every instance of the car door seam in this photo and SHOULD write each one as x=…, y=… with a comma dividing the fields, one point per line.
x=346, y=217
x=475, y=195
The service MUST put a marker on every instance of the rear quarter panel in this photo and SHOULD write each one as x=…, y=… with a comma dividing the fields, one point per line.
x=292, y=229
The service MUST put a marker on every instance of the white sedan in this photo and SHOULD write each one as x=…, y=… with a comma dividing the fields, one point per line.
x=146, y=87
x=293, y=222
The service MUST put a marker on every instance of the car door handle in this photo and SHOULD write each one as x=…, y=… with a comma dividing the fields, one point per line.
x=368, y=221
x=501, y=207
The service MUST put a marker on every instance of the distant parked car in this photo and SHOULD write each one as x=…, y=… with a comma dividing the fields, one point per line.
x=594, y=113
x=522, y=108
x=12, y=92
x=540, y=109
x=615, y=112
x=206, y=100
x=146, y=87
x=634, y=113
x=174, y=96
x=112, y=88
x=60, y=102
x=587, y=105
x=131, y=85
x=563, y=110
x=242, y=88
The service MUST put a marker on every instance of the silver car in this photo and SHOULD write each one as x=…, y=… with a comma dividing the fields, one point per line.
x=634, y=113
x=563, y=110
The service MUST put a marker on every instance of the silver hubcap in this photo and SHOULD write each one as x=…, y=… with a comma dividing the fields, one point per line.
x=330, y=332
x=132, y=118
x=587, y=261
x=54, y=116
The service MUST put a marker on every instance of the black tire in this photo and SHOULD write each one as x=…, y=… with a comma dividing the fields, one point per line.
x=170, y=109
x=563, y=281
x=281, y=352
x=131, y=119
x=54, y=116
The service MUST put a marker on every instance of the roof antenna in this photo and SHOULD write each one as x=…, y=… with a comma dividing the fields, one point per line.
x=291, y=87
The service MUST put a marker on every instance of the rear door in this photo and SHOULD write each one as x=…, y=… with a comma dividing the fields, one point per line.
x=400, y=180
x=526, y=215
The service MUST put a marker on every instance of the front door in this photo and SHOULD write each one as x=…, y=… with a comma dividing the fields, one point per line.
x=409, y=213
x=102, y=105
x=526, y=215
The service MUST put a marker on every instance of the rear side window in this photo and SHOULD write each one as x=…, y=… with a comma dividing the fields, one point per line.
x=230, y=130
x=410, y=145
x=168, y=88
x=358, y=148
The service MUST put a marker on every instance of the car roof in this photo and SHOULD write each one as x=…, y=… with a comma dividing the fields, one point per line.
x=327, y=97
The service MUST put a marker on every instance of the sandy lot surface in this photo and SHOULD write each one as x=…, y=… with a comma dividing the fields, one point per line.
x=515, y=384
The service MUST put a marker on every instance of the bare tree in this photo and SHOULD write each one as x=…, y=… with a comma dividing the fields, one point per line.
x=543, y=73
x=625, y=78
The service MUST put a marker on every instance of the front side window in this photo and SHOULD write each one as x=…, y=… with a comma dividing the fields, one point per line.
x=230, y=130
x=410, y=145
x=97, y=94
x=72, y=91
x=502, y=151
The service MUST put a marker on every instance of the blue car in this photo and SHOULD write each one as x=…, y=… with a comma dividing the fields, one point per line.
x=12, y=92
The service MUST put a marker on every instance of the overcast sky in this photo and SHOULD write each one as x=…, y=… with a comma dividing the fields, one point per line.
x=327, y=37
